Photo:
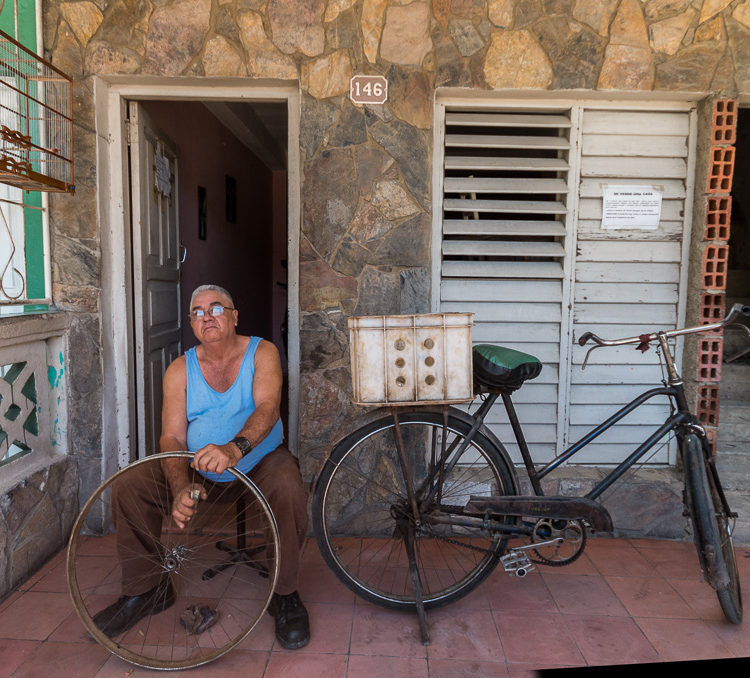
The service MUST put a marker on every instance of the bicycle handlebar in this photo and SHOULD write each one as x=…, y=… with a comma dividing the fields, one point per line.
x=736, y=311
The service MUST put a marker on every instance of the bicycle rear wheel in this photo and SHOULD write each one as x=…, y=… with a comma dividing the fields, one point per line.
x=711, y=529
x=361, y=511
x=222, y=567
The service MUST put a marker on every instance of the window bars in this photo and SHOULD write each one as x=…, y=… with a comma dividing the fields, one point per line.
x=36, y=121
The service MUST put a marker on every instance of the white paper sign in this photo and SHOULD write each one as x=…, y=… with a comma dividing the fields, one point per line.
x=637, y=207
x=162, y=174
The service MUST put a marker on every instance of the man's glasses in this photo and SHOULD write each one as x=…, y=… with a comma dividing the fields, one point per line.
x=215, y=311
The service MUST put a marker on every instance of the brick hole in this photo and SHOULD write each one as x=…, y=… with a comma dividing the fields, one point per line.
x=715, y=267
x=712, y=308
x=721, y=170
x=708, y=405
x=718, y=218
x=709, y=359
x=725, y=121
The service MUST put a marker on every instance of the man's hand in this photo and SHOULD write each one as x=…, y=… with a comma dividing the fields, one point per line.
x=183, y=506
x=216, y=458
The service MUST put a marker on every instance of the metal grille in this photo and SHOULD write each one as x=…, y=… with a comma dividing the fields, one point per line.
x=36, y=121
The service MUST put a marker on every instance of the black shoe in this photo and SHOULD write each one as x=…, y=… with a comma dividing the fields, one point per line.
x=292, y=623
x=129, y=610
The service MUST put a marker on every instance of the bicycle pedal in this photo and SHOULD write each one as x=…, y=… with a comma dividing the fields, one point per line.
x=517, y=563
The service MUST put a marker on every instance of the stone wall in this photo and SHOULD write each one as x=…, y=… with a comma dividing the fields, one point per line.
x=36, y=517
x=366, y=171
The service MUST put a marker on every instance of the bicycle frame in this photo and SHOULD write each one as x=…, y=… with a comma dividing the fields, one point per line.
x=672, y=423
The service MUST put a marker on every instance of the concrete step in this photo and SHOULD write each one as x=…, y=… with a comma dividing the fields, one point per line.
x=735, y=381
x=734, y=422
x=733, y=465
x=740, y=503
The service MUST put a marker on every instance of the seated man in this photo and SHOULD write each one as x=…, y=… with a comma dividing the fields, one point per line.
x=221, y=401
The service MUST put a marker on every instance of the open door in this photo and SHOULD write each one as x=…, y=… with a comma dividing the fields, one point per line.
x=156, y=269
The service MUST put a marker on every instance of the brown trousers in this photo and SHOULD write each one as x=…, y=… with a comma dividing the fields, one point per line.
x=141, y=499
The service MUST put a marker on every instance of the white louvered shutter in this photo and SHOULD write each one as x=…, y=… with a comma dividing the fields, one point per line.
x=503, y=247
x=626, y=281
x=520, y=188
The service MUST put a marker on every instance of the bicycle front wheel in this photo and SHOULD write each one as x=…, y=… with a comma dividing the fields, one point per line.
x=216, y=576
x=361, y=510
x=711, y=529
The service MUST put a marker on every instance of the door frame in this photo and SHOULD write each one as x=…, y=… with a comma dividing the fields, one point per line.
x=111, y=94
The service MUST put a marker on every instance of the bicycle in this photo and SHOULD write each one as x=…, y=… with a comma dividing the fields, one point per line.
x=415, y=509
x=222, y=569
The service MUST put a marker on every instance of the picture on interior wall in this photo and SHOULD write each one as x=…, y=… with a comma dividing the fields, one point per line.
x=202, y=211
x=231, y=199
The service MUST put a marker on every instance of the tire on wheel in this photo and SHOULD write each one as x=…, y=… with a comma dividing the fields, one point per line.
x=711, y=529
x=360, y=510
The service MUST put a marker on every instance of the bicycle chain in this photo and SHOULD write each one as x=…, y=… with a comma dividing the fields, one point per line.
x=466, y=546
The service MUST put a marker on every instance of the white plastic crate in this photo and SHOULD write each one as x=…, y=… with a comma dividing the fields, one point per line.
x=406, y=359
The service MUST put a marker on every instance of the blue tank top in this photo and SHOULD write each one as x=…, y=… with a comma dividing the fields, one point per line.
x=216, y=418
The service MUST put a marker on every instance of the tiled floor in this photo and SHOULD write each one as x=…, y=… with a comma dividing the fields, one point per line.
x=622, y=602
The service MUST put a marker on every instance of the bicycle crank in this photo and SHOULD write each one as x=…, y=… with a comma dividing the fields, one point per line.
x=557, y=542
x=517, y=562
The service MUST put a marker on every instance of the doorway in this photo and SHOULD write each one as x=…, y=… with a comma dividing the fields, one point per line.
x=246, y=115
x=229, y=174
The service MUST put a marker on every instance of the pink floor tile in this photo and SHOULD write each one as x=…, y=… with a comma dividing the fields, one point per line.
x=610, y=640
x=63, y=660
x=34, y=616
x=43, y=571
x=377, y=631
x=700, y=597
x=449, y=668
x=376, y=667
x=234, y=664
x=291, y=665
x=97, y=546
x=537, y=638
x=531, y=670
x=476, y=600
x=262, y=637
x=13, y=653
x=330, y=629
x=683, y=639
x=71, y=630
x=318, y=584
x=529, y=593
x=674, y=560
x=583, y=594
x=735, y=636
x=53, y=581
x=620, y=560
x=115, y=667
x=645, y=543
x=468, y=635
x=12, y=597
x=582, y=565
x=650, y=597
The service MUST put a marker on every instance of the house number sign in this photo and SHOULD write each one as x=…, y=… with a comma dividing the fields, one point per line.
x=368, y=89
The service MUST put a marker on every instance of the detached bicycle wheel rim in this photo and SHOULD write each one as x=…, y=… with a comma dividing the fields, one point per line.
x=214, y=609
x=360, y=495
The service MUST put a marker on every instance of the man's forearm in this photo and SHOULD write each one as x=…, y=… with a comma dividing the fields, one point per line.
x=260, y=423
x=175, y=470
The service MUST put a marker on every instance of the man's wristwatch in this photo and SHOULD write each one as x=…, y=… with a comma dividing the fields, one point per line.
x=243, y=443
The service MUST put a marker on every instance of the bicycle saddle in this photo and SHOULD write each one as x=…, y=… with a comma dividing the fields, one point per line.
x=497, y=368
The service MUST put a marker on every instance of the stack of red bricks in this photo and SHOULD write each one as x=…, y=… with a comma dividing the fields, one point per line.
x=715, y=259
